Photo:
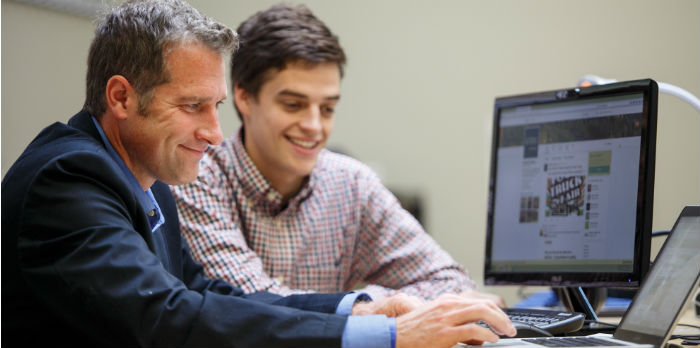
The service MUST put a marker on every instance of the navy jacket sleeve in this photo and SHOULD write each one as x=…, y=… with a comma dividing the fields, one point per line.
x=80, y=267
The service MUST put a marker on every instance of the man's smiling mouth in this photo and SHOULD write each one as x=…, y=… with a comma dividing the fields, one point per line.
x=303, y=143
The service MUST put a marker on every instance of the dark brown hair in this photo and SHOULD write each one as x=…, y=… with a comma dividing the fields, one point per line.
x=282, y=34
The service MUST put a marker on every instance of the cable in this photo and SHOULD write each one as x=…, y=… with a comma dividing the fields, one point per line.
x=660, y=233
x=588, y=321
x=686, y=337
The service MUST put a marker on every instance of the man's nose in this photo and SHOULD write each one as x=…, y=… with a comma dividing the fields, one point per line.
x=312, y=120
x=210, y=130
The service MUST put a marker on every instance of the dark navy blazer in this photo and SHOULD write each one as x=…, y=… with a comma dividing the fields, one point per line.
x=80, y=265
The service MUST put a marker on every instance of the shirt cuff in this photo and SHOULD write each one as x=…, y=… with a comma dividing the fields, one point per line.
x=369, y=331
x=346, y=303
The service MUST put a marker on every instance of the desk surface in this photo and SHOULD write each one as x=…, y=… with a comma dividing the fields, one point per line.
x=688, y=318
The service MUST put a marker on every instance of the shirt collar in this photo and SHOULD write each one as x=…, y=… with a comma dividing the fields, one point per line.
x=256, y=184
x=148, y=202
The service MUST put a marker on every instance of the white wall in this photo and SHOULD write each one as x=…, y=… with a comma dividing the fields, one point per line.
x=419, y=87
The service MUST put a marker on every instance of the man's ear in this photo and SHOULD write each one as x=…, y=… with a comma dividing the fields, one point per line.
x=242, y=99
x=120, y=96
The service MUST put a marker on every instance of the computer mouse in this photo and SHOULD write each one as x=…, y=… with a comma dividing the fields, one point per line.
x=527, y=330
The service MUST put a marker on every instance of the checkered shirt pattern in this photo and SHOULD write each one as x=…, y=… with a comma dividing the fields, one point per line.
x=342, y=230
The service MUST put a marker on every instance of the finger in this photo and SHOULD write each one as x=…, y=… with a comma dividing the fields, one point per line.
x=470, y=311
x=501, y=302
x=474, y=333
x=498, y=300
x=486, y=311
x=501, y=324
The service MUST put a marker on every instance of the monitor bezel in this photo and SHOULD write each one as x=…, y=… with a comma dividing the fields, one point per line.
x=645, y=189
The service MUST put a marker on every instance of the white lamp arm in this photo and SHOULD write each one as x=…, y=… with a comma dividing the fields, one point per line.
x=680, y=93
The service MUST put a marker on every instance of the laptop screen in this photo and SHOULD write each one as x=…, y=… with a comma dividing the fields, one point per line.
x=571, y=186
x=668, y=286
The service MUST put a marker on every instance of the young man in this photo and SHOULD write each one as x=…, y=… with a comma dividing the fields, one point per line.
x=273, y=210
x=92, y=253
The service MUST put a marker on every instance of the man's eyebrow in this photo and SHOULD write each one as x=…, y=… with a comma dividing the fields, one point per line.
x=195, y=99
x=290, y=93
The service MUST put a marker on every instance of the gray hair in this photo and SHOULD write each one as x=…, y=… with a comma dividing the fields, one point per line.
x=134, y=39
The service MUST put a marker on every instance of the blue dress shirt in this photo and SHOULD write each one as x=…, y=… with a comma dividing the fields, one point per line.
x=151, y=208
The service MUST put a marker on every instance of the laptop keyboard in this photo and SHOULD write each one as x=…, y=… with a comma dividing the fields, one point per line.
x=579, y=341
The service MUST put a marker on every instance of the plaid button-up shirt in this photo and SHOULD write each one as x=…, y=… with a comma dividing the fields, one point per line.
x=344, y=229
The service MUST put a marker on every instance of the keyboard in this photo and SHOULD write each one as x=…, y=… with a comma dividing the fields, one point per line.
x=552, y=321
x=572, y=342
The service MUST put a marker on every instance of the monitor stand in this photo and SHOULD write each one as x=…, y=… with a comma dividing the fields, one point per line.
x=575, y=299
x=586, y=301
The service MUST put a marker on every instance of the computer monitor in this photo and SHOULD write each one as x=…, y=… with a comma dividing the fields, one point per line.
x=571, y=186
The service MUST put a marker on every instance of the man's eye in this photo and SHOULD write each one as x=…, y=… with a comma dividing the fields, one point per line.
x=191, y=107
x=327, y=111
x=218, y=104
x=292, y=106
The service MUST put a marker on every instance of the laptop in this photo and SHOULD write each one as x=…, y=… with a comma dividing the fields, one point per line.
x=659, y=303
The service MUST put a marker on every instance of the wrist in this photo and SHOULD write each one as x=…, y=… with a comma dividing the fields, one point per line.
x=362, y=307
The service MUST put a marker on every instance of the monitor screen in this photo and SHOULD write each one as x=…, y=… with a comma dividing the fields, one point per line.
x=571, y=186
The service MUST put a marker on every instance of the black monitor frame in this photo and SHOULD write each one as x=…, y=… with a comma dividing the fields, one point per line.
x=645, y=190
